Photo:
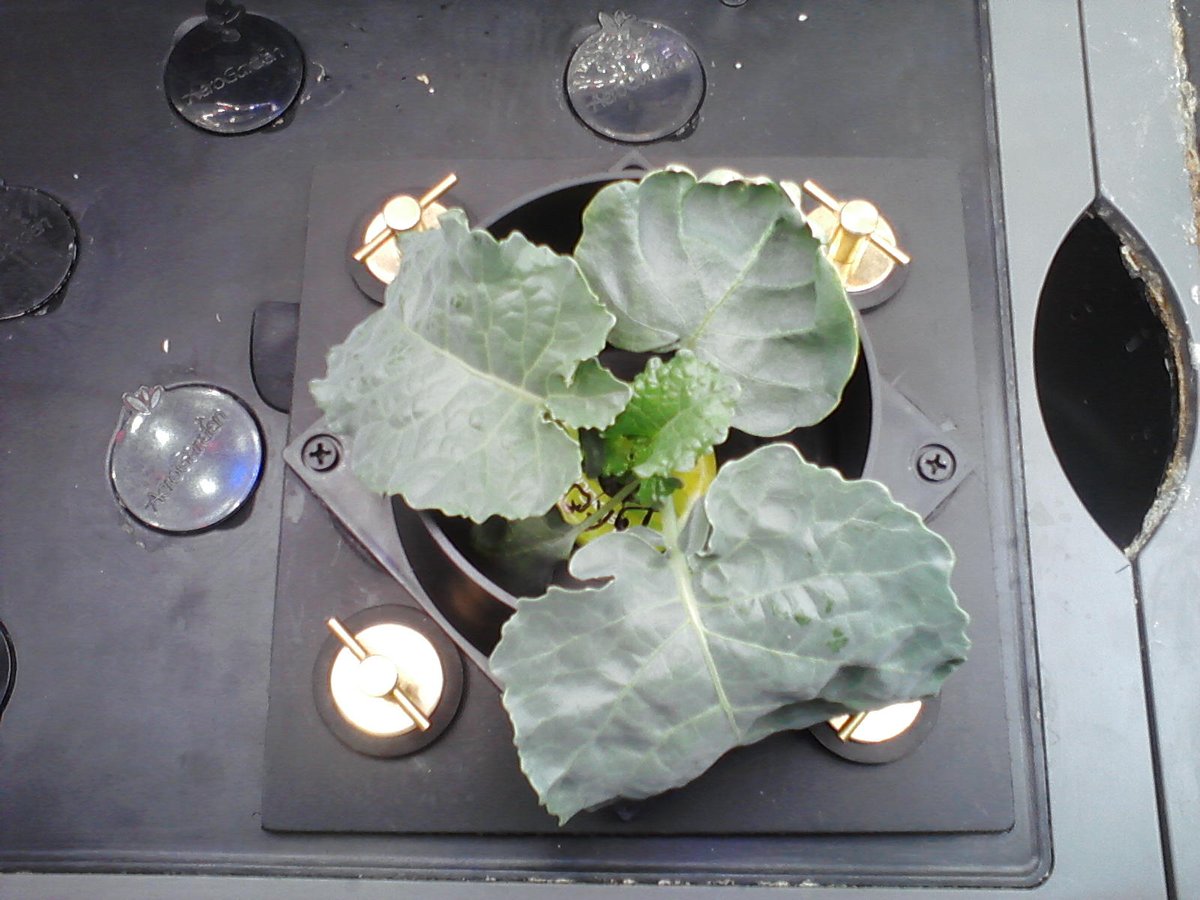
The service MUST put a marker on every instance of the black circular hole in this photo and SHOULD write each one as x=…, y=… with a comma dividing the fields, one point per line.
x=474, y=593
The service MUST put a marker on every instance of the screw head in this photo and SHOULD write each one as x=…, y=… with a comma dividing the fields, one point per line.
x=321, y=453
x=935, y=463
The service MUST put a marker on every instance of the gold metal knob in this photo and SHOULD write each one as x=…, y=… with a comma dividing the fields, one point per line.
x=400, y=214
x=378, y=677
x=387, y=680
x=877, y=726
x=862, y=245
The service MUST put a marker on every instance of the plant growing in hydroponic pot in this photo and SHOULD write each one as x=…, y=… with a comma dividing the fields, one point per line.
x=700, y=608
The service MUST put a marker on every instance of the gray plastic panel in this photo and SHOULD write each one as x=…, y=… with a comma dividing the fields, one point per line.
x=1097, y=747
x=1143, y=130
x=1100, y=778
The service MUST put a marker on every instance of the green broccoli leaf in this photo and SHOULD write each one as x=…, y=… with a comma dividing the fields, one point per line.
x=455, y=390
x=592, y=399
x=732, y=272
x=788, y=596
x=679, y=411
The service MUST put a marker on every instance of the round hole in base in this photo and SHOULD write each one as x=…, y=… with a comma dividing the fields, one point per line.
x=474, y=593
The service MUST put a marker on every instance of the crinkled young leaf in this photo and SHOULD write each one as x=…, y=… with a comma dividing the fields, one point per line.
x=732, y=272
x=811, y=596
x=680, y=409
x=451, y=390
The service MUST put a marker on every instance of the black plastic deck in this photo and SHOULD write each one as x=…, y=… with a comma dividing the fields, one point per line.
x=135, y=737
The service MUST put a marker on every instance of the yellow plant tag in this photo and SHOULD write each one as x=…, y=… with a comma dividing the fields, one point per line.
x=587, y=496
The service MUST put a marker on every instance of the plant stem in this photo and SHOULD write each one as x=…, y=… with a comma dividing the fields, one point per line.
x=670, y=524
x=687, y=593
x=609, y=505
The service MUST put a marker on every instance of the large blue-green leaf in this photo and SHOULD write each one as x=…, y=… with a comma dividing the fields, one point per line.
x=732, y=272
x=797, y=595
x=457, y=390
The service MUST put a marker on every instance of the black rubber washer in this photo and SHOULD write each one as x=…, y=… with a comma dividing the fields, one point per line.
x=8, y=667
x=38, y=246
x=885, y=751
x=235, y=76
x=411, y=741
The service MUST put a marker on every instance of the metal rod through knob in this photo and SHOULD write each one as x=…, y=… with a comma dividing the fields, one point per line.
x=403, y=213
x=850, y=726
x=397, y=693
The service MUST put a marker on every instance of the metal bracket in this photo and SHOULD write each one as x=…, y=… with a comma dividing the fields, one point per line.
x=895, y=454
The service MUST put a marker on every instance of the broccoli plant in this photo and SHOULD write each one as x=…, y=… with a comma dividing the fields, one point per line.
x=776, y=597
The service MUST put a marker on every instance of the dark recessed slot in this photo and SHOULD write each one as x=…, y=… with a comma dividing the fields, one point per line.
x=1106, y=380
x=8, y=667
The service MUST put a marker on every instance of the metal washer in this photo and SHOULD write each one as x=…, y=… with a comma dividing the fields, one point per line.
x=875, y=751
x=186, y=457
x=405, y=652
x=374, y=274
